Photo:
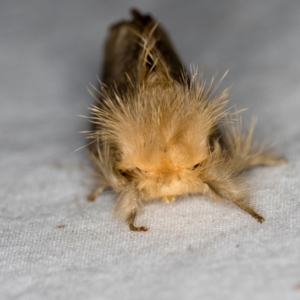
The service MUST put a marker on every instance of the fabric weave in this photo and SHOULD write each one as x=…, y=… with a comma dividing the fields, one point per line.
x=56, y=245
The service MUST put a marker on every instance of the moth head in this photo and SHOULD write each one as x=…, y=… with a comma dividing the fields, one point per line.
x=167, y=170
x=162, y=136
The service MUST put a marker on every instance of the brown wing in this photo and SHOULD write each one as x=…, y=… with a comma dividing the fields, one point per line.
x=123, y=50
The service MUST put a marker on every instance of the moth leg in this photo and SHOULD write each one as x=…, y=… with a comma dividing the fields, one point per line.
x=130, y=221
x=97, y=191
x=266, y=160
x=245, y=207
x=241, y=203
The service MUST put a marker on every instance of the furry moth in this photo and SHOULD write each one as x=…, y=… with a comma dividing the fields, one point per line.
x=158, y=132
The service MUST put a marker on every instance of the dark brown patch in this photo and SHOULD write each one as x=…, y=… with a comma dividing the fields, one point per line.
x=61, y=226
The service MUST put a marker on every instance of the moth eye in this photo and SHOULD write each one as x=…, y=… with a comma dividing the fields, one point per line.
x=196, y=166
x=127, y=174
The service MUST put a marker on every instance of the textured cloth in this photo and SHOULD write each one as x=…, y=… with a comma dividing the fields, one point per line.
x=56, y=245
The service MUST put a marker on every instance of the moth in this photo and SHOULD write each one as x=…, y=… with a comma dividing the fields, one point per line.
x=159, y=132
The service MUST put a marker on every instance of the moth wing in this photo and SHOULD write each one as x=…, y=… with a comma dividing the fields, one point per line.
x=125, y=49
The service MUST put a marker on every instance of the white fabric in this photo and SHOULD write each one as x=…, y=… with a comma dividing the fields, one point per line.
x=56, y=245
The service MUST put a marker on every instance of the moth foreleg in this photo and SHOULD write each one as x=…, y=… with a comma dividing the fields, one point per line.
x=96, y=192
x=241, y=203
x=130, y=221
x=238, y=200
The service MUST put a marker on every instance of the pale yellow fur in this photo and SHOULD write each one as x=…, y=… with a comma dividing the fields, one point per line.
x=154, y=141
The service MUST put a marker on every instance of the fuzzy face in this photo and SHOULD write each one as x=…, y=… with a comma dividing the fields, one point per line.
x=168, y=171
x=162, y=136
